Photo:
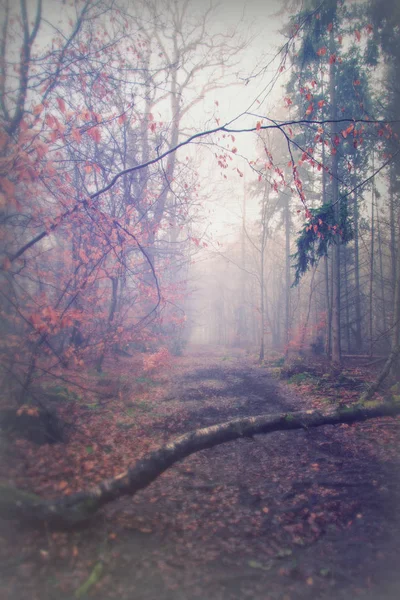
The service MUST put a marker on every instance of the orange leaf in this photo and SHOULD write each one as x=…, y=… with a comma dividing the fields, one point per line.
x=321, y=51
x=62, y=485
x=358, y=35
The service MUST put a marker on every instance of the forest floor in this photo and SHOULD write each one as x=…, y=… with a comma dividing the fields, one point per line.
x=295, y=515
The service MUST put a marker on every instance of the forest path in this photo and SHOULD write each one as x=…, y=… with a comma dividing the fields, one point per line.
x=296, y=515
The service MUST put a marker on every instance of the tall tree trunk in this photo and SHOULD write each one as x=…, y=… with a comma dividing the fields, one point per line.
x=262, y=307
x=346, y=288
x=396, y=315
x=371, y=269
x=381, y=273
x=357, y=300
x=328, y=304
x=287, y=275
x=336, y=350
x=392, y=218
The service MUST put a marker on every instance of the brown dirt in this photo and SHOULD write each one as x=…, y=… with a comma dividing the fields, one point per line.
x=288, y=516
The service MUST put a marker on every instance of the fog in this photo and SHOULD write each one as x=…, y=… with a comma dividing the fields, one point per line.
x=167, y=174
x=196, y=199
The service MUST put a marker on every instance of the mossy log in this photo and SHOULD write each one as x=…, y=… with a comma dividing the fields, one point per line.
x=79, y=507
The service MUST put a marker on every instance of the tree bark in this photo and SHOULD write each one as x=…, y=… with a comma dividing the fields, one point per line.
x=79, y=507
x=358, y=336
x=336, y=350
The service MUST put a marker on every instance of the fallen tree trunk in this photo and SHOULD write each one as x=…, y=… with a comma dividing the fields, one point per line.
x=79, y=507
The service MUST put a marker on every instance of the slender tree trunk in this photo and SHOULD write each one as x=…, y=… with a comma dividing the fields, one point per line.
x=396, y=316
x=328, y=307
x=346, y=287
x=328, y=304
x=357, y=300
x=392, y=218
x=371, y=269
x=381, y=274
x=113, y=306
x=336, y=351
x=262, y=307
x=287, y=275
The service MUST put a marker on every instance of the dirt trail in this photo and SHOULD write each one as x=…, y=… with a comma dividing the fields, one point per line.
x=288, y=516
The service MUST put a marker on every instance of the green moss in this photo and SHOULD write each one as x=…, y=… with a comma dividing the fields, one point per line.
x=60, y=393
x=299, y=378
x=371, y=403
x=289, y=418
x=344, y=410
x=11, y=495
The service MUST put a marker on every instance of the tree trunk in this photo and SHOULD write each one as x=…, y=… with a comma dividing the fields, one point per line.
x=396, y=316
x=79, y=507
x=287, y=275
x=113, y=306
x=371, y=269
x=357, y=300
x=336, y=351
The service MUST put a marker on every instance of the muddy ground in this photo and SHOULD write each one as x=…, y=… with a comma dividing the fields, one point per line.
x=286, y=516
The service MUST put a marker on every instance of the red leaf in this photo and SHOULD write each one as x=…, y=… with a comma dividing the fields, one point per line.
x=38, y=109
x=61, y=104
x=75, y=134
x=330, y=26
x=95, y=134
x=358, y=35
x=321, y=103
x=332, y=59
x=310, y=109
x=258, y=126
x=321, y=51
